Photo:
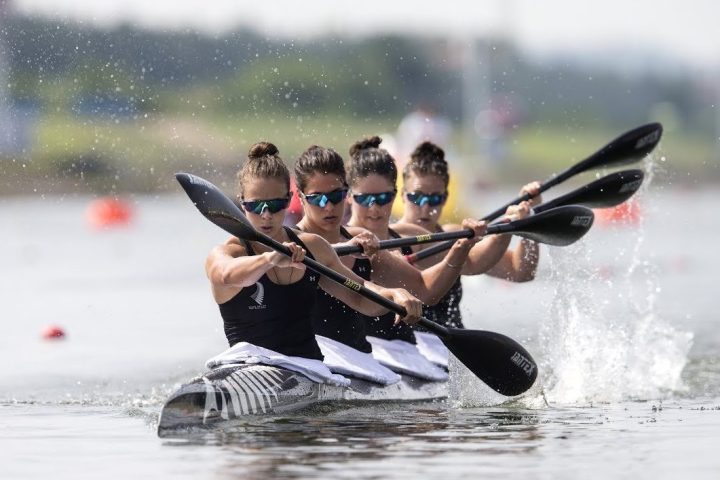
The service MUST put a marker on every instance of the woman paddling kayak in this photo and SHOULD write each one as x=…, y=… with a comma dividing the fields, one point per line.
x=372, y=176
x=320, y=177
x=266, y=298
x=424, y=194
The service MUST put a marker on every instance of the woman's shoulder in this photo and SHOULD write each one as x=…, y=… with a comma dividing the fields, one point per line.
x=408, y=229
x=451, y=227
x=353, y=231
x=232, y=246
x=312, y=240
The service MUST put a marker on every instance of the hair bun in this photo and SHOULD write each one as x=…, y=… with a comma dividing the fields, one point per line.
x=429, y=150
x=364, y=144
x=262, y=149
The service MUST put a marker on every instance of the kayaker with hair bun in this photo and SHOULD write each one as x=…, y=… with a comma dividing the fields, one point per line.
x=320, y=177
x=265, y=297
x=425, y=191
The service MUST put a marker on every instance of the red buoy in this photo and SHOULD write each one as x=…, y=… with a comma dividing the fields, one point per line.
x=108, y=212
x=53, y=332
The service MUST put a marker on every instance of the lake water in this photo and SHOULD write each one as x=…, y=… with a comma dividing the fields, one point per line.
x=623, y=325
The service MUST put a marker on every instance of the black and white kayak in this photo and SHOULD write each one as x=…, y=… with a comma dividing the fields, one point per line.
x=233, y=392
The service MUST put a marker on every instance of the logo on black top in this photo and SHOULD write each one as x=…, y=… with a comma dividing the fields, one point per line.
x=258, y=297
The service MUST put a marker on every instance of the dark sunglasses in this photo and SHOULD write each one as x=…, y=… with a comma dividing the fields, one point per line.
x=321, y=199
x=432, y=199
x=258, y=206
x=368, y=199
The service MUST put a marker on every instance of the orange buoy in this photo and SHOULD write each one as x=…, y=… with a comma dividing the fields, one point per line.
x=53, y=332
x=628, y=213
x=105, y=212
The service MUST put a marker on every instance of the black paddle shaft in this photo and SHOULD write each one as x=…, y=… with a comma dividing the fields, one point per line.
x=560, y=226
x=407, y=241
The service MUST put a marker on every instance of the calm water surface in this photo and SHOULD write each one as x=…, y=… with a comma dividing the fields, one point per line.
x=623, y=325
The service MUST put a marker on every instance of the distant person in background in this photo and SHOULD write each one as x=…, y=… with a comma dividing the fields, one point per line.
x=423, y=124
x=494, y=125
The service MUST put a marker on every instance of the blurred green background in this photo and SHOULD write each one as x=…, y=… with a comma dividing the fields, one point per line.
x=93, y=110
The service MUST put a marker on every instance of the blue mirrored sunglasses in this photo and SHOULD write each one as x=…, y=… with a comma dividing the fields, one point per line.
x=258, y=206
x=432, y=199
x=369, y=199
x=321, y=199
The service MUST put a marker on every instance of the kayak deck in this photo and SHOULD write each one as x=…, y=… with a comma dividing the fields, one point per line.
x=232, y=392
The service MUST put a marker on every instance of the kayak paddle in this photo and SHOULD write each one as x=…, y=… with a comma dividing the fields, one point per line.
x=557, y=226
x=608, y=191
x=628, y=148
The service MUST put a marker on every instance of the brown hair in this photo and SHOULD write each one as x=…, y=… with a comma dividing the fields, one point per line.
x=317, y=159
x=263, y=161
x=367, y=157
x=427, y=159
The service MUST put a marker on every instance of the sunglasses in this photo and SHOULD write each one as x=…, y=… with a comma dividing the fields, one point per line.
x=369, y=199
x=432, y=199
x=258, y=206
x=321, y=199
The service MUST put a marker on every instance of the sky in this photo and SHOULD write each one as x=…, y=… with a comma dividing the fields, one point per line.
x=622, y=29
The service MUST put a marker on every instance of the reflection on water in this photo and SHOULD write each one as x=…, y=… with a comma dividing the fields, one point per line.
x=435, y=440
x=408, y=437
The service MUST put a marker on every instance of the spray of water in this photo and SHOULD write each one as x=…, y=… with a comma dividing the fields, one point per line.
x=605, y=341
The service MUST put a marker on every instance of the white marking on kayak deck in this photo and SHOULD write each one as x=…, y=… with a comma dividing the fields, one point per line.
x=234, y=394
x=258, y=388
x=267, y=384
x=250, y=391
x=243, y=396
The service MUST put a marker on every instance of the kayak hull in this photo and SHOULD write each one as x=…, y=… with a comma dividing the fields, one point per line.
x=233, y=392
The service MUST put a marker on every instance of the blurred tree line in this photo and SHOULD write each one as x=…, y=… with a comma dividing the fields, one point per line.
x=123, y=108
x=56, y=66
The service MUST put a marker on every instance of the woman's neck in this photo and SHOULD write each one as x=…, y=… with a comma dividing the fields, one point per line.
x=430, y=228
x=380, y=231
x=281, y=236
x=332, y=236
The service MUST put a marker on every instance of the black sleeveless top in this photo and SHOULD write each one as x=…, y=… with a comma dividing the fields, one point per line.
x=447, y=311
x=274, y=316
x=333, y=319
x=383, y=326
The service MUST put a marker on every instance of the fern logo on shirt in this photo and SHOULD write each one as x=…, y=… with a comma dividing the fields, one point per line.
x=258, y=297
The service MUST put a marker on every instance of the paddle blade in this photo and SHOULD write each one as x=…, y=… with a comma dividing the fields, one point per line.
x=559, y=226
x=627, y=148
x=608, y=191
x=499, y=361
x=216, y=206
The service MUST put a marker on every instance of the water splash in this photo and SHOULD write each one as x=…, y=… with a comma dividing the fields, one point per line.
x=605, y=341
